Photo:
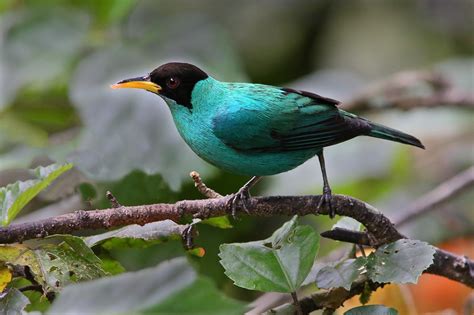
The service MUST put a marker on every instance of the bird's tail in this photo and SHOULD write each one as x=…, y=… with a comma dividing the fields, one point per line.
x=380, y=131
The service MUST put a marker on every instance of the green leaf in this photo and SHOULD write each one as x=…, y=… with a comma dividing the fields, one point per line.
x=56, y=265
x=219, y=222
x=347, y=223
x=341, y=274
x=279, y=263
x=372, y=310
x=201, y=298
x=13, y=302
x=68, y=262
x=38, y=302
x=15, y=196
x=402, y=261
x=138, y=236
x=111, y=266
x=125, y=293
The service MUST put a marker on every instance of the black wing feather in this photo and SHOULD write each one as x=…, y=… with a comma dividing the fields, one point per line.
x=318, y=98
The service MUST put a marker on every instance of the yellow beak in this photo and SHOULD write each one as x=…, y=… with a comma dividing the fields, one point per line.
x=143, y=83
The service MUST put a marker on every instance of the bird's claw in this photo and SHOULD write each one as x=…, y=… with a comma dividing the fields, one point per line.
x=239, y=201
x=326, y=198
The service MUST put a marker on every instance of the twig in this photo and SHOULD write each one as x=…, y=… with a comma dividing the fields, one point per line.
x=32, y=287
x=362, y=250
x=354, y=237
x=328, y=311
x=113, y=201
x=330, y=299
x=444, y=192
x=25, y=272
x=202, y=188
x=396, y=92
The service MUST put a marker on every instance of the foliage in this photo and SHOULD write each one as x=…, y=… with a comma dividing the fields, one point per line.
x=341, y=274
x=279, y=263
x=169, y=287
x=136, y=235
x=55, y=266
x=15, y=196
x=402, y=261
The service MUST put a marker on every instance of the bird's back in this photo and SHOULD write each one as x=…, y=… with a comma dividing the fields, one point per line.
x=260, y=118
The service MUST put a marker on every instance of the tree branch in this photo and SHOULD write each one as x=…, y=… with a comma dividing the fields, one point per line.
x=380, y=226
x=380, y=229
x=397, y=92
x=329, y=299
x=458, y=268
x=202, y=188
x=447, y=190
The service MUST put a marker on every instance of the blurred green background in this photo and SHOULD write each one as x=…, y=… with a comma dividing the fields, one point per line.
x=58, y=58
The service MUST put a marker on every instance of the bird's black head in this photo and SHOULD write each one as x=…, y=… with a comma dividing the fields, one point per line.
x=173, y=80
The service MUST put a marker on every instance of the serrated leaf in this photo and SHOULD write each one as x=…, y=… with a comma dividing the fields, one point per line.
x=136, y=235
x=347, y=223
x=372, y=310
x=54, y=266
x=13, y=302
x=125, y=293
x=15, y=196
x=341, y=274
x=68, y=262
x=279, y=263
x=402, y=261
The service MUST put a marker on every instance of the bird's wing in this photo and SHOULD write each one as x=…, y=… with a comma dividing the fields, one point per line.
x=289, y=121
x=316, y=98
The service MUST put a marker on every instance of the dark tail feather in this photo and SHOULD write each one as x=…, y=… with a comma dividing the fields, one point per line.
x=379, y=131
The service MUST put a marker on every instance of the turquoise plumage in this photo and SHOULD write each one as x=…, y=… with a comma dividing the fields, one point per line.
x=255, y=129
x=229, y=122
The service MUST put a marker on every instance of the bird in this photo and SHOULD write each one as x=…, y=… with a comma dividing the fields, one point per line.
x=255, y=129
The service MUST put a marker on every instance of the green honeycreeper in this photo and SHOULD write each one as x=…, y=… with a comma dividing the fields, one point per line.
x=255, y=129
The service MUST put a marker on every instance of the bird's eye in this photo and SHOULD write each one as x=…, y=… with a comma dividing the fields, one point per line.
x=172, y=82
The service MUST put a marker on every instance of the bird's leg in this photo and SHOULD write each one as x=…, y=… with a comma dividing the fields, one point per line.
x=326, y=197
x=240, y=198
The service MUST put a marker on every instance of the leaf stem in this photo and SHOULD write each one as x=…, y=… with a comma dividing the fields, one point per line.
x=297, y=304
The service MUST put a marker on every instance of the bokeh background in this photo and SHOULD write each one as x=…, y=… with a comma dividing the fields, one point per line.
x=58, y=58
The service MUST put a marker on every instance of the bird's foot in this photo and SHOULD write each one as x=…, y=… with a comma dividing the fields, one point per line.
x=239, y=201
x=326, y=199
